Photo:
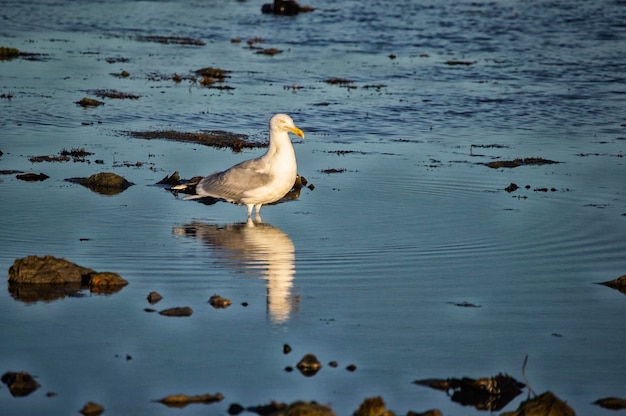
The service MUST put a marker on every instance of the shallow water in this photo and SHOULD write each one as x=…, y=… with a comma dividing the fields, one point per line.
x=367, y=267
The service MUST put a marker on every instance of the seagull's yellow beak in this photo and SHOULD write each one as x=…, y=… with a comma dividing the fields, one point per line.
x=297, y=131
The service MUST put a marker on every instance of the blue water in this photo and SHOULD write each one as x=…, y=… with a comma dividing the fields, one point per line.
x=366, y=268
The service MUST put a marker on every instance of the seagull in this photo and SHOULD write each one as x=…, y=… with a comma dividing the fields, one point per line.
x=259, y=181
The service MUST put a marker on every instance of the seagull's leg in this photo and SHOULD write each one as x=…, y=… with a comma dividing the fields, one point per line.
x=250, y=206
x=258, y=213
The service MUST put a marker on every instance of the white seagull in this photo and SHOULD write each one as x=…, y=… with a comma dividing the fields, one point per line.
x=257, y=181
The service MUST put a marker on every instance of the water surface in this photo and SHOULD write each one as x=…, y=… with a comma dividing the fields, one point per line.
x=366, y=269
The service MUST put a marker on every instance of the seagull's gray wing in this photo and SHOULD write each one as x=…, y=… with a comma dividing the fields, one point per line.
x=232, y=184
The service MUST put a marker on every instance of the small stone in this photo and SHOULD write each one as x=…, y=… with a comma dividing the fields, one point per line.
x=309, y=365
x=178, y=311
x=374, y=406
x=92, y=409
x=219, y=302
x=235, y=409
x=351, y=368
x=154, y=297
x=286, y=349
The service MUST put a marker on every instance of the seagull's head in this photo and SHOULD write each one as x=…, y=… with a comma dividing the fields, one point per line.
x=284, y=123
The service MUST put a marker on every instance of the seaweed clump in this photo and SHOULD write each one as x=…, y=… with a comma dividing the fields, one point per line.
x=214, y=138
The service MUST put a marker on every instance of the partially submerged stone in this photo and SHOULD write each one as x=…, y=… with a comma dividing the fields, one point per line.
x=177, y=311
x=182, y=400
x=92, y=409
x=47, y=278
x=374, y=406
x=219, y=302
x=154, y=297
x=547, y=404
x=87, y=102
x=301, y=408
x=309, y=365
x=104, y=183
x=488, y=393
x=32, y=177
x=618, y=284
x=613, y=403
x=20, y=384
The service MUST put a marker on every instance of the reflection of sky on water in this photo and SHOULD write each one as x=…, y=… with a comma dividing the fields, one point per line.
x=254, y=247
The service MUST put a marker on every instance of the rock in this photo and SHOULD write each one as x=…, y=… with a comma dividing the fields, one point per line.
x=285, y=8
x=286, y=349
x=89, y=102
x=32, y=177
x=432, y=412
x=154, y=297
x=178, y=311
x=20, y=384
x=101, y=281
x=104, y=183
x=546, y=404
x=235, y=409
x=374, y=406
x=613, y=403
x=182, y=400
x=92, y=409
x=309, y=365
x=219, y=302
x=300, y=408
x=46, y=270
x=618, y=284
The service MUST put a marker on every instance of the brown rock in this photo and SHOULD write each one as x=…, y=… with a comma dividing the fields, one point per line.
x=92, y=409
x=305, y=409
x=154, y=297
x=182, y=400
x=20, y=384
x=178, y=311
x=47, y=269
x=374, y=406
x=219, y=302
x=309, y=365
x=546, y=404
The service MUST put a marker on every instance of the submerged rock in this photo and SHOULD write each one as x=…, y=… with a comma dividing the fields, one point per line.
x=301, y=408
x=20, y=384
x=32, y=177
x=613, y=403
x=285, y=8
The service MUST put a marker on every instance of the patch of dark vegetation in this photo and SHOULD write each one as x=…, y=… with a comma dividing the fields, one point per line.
x=155, y=76
x=455, y=62
x=32, y=177
x=333, y=170
x=116, y=60
x=512, y=187
x=464, y=304
x=492, y=393
x=9, y=172
x=215, y=138
x=6, y=96
x=114, y=94
x=519, y=162
x=7, y=53
x=285, y=8
x=269, y=51
x=342, y=82
x=376, y=87
x=174, y=40
x=75, y=154
x=211, y=72
x=347, y=152
x=87, y=102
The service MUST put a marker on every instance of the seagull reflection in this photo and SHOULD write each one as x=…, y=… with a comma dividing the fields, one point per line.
x=254, y=247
